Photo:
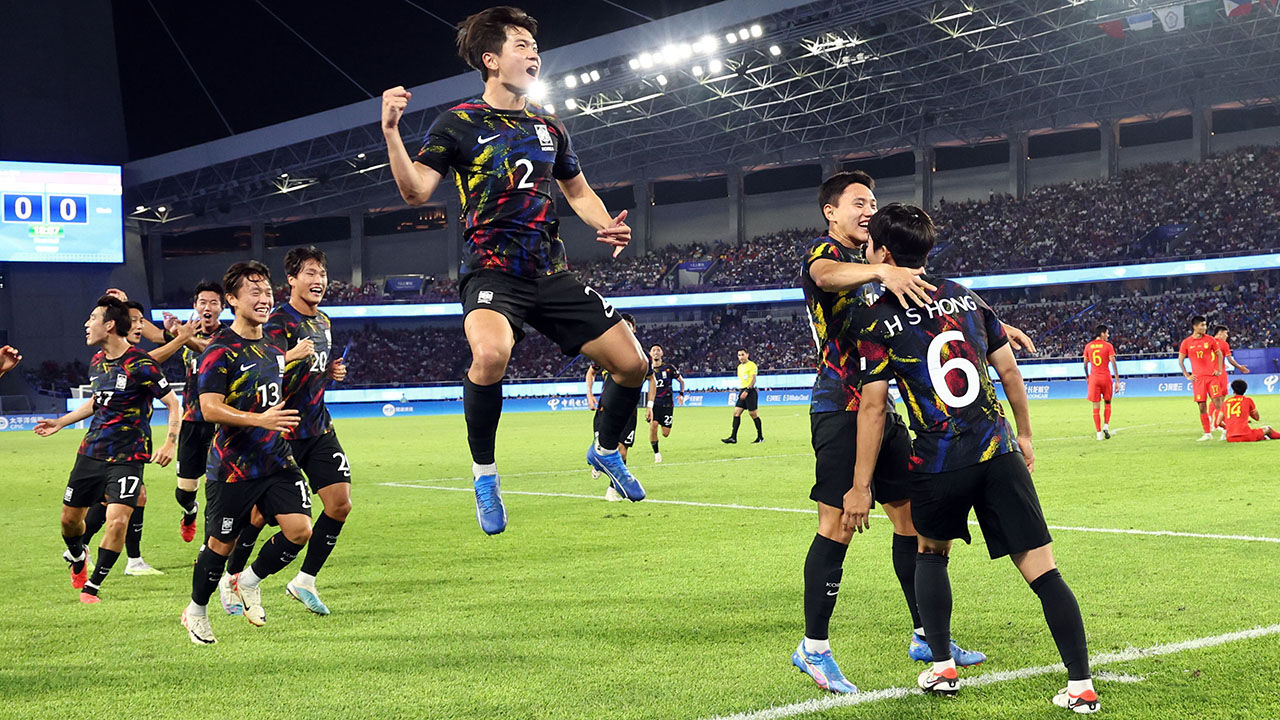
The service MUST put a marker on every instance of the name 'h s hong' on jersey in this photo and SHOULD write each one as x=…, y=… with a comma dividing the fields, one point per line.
x=249, y=374
x=505, y=163
x=123, y=389
x=938, y=353
x=305, y=378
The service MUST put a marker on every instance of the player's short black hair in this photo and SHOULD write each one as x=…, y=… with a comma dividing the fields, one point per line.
x=629, y=318
x=904, y=230
x=657, y=345
x=486, y=32
x=206, y=286
x=1097, y=331
x=1218, y=328
x=1239, y=387
x=244, y=270
x=744, y=350
x=830, y=190
x=1197, y=319
x=135, y=305
x=114, y=310
x=298, y=256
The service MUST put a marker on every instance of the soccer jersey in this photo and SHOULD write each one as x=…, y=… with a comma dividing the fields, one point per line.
x=1224, y=352
x=1236, y=412
x=831, y=316
x=506, y=162
x=1098, y=354
x=191, y=370
x=123, y=389
x=1203, y=353
x=938, y=354
x=305, y=378
x=746, y=374
x=663, y=377
x=249, y=374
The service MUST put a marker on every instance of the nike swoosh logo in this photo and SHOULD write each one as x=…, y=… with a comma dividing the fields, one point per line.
x=833, y=593
x=246, y=368
x=484, y=140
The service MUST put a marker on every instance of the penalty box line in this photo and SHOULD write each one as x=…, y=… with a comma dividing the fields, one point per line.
x=838, y=701
x=810, y=511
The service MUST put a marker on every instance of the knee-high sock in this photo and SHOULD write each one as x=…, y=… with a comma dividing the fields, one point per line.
x=617, y=405
x=75, y=546
x=1106, y=414
x=482, y=406
x=205, y=576
x=1062, y=612
x=737, y=420
x=243, y=548
x=93, y=522
x=904, y=566
x=933, y=594
x=759, y=427
x=186, y=499
x=823, y=568
x=106, y=560
x=133, y=536
x=1204, y=421
x=1097, y=420
x=323, y=537
x=275, y=555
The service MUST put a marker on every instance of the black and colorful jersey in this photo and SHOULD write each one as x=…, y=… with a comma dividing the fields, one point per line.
x=663, y=378
x=831, y=317
x=249, y=373
x=506, y=162
x=938, y=353
x=123, y=389
x=191, y=368
x=305, y=378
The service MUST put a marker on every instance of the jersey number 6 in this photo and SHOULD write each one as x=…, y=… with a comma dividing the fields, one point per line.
x=938, y=371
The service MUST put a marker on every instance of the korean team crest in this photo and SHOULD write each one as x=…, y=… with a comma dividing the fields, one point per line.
x=544, y=137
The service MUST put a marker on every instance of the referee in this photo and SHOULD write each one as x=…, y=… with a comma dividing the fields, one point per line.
x=747, y=398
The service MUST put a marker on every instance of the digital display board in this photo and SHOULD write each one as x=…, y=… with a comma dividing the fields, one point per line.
x=59, y=212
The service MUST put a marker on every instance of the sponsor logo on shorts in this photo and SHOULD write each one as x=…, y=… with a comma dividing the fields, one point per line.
x=485, y=297
x=228, y=524
x=66, y=496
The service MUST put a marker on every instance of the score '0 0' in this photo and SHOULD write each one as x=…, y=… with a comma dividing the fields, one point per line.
x=30, y=208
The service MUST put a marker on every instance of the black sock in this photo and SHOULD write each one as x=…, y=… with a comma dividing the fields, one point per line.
x=323, y=537
x=482, y=407
x=823, y=568
x=904, y=566
x=186, y=500
x=93, y=522
x=933, y=595
x=205, y=577
x=75, y=546
x=243, y=548
x=106, y=559
x=737, y=420
x=759, y=428
x=655, y=447
x=275, y=554
x=133, y=536
x=1062, y=612
x=618, y=404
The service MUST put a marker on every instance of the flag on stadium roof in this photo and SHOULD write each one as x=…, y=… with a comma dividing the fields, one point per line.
x=1173, y=18
x=1237, y=9
x=1142, y=21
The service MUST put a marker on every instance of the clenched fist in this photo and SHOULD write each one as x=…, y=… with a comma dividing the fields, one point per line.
x=394, y=101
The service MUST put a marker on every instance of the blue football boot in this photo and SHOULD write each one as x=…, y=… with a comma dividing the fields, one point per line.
x=823, y=669
x=919, y=651
x=490, y=511
x=616, y=470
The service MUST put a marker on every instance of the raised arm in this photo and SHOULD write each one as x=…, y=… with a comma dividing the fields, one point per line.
x=590, y=208
x=416, y=181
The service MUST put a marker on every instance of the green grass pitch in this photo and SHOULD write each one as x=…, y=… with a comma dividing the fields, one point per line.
x=588, y=609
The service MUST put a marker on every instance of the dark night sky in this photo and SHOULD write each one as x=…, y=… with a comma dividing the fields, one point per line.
x=260, y=73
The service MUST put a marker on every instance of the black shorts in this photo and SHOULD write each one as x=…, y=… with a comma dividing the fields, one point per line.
x=628, y=437
x=92, y=481
x=322, y=460
x=560, y=307
x=835, y=450
x=229, y=504
x=1001, y=494
x=664, y=412
x=750, y=401
x=194, y=439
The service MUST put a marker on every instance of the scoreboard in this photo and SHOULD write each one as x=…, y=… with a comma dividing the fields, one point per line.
x=58, y=212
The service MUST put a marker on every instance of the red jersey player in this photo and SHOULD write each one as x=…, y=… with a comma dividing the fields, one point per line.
x=1218, y=384
x=1237, y=411
x=1202, y=350
x=1101, y=369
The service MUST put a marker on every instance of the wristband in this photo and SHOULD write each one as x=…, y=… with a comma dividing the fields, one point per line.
x=649, y=404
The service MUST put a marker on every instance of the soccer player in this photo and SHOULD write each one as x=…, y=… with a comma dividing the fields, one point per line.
x=196, y=434
x=250, y=465
x=1218, y=383
x=118, y=443
x=965, y=454
x=1101, y=369
x=1238, y=410
x=628, y=437
x=748, y=398
x=1202, y=351
x=661, y=407
x=303, y=328
x=835, y=278
x=9, y=359
x=507, y=152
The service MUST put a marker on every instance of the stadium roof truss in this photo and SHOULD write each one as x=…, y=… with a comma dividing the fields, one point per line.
x=818, y=80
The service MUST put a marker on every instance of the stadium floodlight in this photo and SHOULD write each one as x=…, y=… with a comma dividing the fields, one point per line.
x=140, y=208
x=715, y=66
x=634, y=63
x=710, y=44
x=662, y=79
x=756, y=31
x=646, y=60
x=571, y=81
x=537, y=91
x=595, y=76
x=743, y=34
x=550, y=108
x=360, y=156
x=686, y=51
x=585, y=78
x=670, y=54
x=571, y=104
x=731, y=38
x=697, y=71
x=774, y=50
x=162, y=210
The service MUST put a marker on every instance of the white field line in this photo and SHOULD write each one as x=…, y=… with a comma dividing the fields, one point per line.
x=811, y=511
x=837, y=701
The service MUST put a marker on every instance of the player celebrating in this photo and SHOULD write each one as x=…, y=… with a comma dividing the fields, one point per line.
x=1218, y=383
x=1101, y=369
x=9, y=359
x=249, y=461
x=1202, y=350
x=118, y=443
x=196, y=434
x=748, y=398
x=628, y=437
x=661, y=409
x=965, y=454
x=507, y=152
x=1237, y=411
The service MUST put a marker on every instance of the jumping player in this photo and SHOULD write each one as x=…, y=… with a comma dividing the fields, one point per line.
x=965, y=454
x=628, y=438
x=1202, y=350
x=1238, y=410
x=661, y=409
x=1101, y=369
x=507, y=153
x=748, y=398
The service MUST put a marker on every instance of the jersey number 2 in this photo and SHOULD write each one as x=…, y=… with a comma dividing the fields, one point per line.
x=524, y=183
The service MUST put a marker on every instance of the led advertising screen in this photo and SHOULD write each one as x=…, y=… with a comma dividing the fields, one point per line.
x=57, y=212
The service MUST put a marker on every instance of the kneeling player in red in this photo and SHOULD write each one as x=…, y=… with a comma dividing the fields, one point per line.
x=1100, y=367
x=1237, y=410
